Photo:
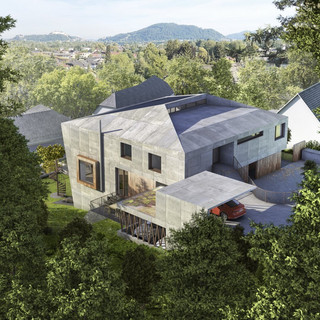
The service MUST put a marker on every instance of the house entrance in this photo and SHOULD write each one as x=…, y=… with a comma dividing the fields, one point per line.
x=252, y=170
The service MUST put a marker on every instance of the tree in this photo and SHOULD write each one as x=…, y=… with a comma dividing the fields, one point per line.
x=172, y=48
x=119, y=73
x=74, y=93
x=220, y=81
x=289, y=258
x=82, y=285
x=156, y=61
x=49, y=155
x=302, y=30
x=262, y=86
x=202, y=273
x=143, y=281
x=22, y=217
x=186, y=76
x=9, y=105
x=203, y=54
x=30, y=68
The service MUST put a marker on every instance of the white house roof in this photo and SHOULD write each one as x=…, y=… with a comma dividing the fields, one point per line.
x=310, y=96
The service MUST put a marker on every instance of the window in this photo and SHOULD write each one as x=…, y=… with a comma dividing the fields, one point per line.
x=279, y=131
x=126, y=151
x=122, y=182
x=87, y=172
x=248, y=138
x=154, y=163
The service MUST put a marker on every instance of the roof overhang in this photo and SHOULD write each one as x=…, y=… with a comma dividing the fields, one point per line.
x=207, y=189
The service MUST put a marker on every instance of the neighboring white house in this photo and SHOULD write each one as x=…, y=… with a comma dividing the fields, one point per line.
x=303, y=123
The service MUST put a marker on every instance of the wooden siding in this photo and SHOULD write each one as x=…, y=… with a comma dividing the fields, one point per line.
x=268, y=165
x=297, y=150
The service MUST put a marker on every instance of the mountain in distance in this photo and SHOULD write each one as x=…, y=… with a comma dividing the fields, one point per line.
x=237, y=36
x=162, y=32
x=53, y=36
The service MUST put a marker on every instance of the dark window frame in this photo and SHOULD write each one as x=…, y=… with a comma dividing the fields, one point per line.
x=94, y=164
x=151, y=163
x=282, y=131
x=251, y=137
x=124, y=151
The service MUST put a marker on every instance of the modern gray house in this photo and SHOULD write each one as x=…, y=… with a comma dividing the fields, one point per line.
x=164, y=142
x=41, y=126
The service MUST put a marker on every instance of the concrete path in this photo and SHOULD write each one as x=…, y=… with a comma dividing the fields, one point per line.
x=263, y=212
x=93, y=217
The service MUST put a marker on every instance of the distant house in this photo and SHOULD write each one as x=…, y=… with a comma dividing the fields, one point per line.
x=40, y=125
x=300, y=110
x=151, y=89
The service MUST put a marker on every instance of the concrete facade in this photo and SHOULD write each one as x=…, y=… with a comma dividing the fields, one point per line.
x=189, y=133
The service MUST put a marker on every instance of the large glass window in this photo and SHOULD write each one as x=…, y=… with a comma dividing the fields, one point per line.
x=87, y=172
x=154, y=163
x=126, y=151
x=280, y=131
x=248, y=138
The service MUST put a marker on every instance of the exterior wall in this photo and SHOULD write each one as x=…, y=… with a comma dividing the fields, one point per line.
x=86, y=143
x=268, y=165
x=83, y=142
x=302, y=122
x=309, y=154
x=261, y=147
x=297, y=150
x=172, y=212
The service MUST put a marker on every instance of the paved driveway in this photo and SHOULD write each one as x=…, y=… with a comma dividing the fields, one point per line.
x=263, y=212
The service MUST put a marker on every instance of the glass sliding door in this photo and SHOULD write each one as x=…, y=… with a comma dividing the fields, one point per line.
x=122, y=182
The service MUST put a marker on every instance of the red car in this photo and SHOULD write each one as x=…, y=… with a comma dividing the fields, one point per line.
x=232, y=209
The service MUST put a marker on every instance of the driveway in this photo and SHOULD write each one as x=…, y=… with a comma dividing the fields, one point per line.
x=263, y=212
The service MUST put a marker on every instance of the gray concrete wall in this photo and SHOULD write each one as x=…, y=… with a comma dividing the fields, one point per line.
x=172, y=212
x=260, y=147
x=86, y=143
x=310, y=154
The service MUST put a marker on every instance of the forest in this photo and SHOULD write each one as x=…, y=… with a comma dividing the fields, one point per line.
x=210, y=271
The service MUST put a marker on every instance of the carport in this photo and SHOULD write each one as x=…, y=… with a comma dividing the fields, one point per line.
x=176, y=203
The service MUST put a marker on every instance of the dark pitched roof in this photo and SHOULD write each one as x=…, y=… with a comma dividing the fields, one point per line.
x=152, y=88
x=311, y=96
x=40, y=125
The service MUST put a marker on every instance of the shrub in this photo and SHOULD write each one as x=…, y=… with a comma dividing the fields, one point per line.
x=313, y=144
x=77, y=227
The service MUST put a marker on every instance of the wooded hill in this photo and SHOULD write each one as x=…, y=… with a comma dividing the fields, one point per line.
x=166, y=31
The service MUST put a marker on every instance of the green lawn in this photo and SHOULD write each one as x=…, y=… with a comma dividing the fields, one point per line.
x=60, y=215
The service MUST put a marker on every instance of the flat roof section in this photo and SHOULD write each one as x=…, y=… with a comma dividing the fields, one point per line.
x=207, y=189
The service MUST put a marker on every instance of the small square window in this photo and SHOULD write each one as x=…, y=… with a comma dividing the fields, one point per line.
x=279, y=131
x=87, y=172
x=154, y=163
x=126, y=151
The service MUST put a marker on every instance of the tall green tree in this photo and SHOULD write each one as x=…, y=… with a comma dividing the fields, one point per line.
x=74, y=93
x=9, y=105
x=302, y=30
x=202, y=273
x=186, y=76
x=289, y=259
x=119, y=73
x=262, y=86
x=30, y=68
x=22, y=217
x=82, y=285
x=220, y=81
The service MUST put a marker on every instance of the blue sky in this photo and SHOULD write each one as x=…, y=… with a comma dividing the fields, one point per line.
x=93, y=19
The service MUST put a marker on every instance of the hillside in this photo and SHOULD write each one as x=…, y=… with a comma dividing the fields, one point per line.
x=53, y=36
x=161, y=32
x=237, y=36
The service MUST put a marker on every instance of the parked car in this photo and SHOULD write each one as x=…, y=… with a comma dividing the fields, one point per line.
x=232, y=209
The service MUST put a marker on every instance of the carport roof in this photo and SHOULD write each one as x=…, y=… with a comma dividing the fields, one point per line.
x=207, y=189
